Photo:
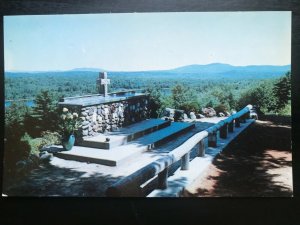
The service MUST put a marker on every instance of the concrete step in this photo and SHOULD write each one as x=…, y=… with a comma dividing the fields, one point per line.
x=121, y=154
x=164, y=135
x=125, y=135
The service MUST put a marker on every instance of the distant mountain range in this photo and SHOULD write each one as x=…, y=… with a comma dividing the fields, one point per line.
x=88, y=69
x=217, y=68
x=213, y=68
x=209, y=71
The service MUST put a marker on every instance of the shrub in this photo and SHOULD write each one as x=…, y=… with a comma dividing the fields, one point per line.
x=16, y=149
x=155, y=101
x=221, y=108
x=192, y=106
x=51, y=138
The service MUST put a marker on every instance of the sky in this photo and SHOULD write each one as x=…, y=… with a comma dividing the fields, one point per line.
x=145, y=41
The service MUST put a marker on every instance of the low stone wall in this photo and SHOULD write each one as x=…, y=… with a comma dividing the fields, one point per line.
x=111, y=116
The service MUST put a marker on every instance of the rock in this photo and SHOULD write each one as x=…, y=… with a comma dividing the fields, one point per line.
x=84, y=123
x=82, y=118
x=85, y=127
x=185, y=117
x=209, y=112
x=90, y=128
x=179, y=115
x=42, y=152
x=221, y=114
x=227, y=113
x=169, y=112
x=200, y=116
x=91, y=112
x=114, y=115
x=106, y=111
x=85, y=132
x=84, y=114
x=193, y=116
x=46, y=157
x=94, y=117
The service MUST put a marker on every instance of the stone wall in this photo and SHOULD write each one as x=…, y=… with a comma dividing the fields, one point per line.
x=111, y=116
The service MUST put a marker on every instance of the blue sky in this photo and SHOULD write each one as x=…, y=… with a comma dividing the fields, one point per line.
x=146, y=41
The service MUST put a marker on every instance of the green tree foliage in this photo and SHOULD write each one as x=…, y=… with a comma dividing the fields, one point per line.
x=155, y=101
x=222, y=108
x=179, y=96
x=261, y=96
x=185, y=99
x=44, y=115
x=270, y=96
x=282, y=91
x=16, y=147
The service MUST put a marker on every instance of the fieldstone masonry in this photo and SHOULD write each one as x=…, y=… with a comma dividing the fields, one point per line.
x=111, y=116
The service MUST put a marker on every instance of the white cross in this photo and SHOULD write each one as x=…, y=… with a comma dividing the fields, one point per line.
x=102, y=81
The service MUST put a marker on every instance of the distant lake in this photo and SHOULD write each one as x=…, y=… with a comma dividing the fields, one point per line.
x=29, y=103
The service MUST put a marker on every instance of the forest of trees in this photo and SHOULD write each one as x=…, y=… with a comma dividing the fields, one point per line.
x=27, y=129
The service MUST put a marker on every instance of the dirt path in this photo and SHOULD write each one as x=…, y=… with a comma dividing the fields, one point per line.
x=258, y=163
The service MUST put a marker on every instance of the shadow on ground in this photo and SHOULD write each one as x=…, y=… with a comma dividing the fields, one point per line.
x=257, y=164
x=48, y=180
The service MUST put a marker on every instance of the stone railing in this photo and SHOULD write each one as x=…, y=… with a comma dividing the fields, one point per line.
x=131, y=185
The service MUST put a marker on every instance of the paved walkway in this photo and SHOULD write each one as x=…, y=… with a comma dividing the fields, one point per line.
x=71, y=178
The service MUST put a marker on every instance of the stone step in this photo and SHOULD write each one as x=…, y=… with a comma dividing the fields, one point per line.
x=164, y=135
x=125, y=135
x=121, y=154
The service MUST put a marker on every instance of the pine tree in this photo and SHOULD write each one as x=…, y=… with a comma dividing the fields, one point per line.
x=44, y=114
x=154, y=100
x=282, y=91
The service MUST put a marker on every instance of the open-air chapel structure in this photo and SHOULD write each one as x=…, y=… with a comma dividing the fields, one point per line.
x=152, y=157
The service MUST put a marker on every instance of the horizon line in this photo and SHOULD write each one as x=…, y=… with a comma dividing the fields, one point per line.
x=108, y=70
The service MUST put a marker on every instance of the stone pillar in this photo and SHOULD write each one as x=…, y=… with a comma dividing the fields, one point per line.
x=163, y=179
x=248, y=115
x=223, y=131
x=212, y=139
x=231, y=127
x=243, y=118
x=237, y=122
x=185, y=161
x=201, y=152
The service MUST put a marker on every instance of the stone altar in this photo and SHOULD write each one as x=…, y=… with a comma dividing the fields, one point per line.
x=107, y=111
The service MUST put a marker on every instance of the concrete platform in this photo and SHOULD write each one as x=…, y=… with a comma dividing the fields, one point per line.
x=120, y=154
x=125, y=135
